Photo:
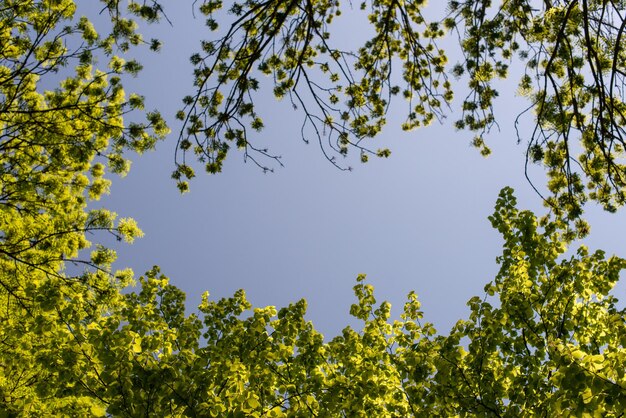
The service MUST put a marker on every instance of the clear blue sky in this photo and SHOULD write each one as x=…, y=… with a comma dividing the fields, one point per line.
x=416, y=221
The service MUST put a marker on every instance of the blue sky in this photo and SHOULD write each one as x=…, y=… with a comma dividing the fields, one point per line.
x=416, y=221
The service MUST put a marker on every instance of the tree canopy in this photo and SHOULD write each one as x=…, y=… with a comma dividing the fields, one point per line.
x=547, y=338
x=572, y=74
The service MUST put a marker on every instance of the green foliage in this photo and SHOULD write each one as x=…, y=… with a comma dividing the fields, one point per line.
x=573, y=78
x=57, y=142
x=546, y=339
x=343, y=94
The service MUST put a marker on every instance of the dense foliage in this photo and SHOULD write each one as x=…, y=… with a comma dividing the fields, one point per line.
x=547, y=338
x=56, y=143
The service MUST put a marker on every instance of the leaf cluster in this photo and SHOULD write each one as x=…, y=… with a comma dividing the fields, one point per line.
x=344, y=95
x=573, y=78
x=62, y=129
